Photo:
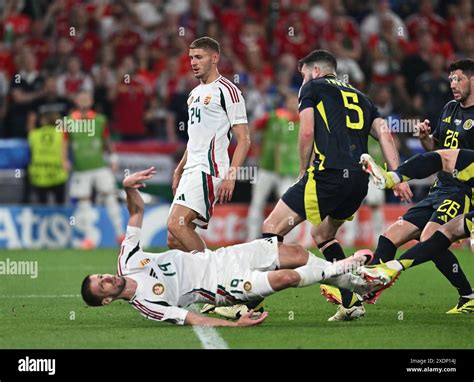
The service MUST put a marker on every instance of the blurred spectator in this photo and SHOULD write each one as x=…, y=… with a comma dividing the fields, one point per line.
x=125, y=40
x=25, y=87
x=49, y=164
x=372, y=24
x=384, y=52
x=341, y=36
x=48, y=102
x=86, y=41
x=426, y=18
x=104, y=77
x=432, y=90
x=56, y=64
x=129, y=103
x=89, y=140
x=74, y=80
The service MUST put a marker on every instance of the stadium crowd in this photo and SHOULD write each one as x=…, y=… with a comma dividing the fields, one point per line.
x=133, y=56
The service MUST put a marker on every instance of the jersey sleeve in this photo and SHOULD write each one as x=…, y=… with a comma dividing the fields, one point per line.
x=436, y=134
x=160, y=311
x=306, y=96
x=235, y=107
x=374, y=113
x=130, y=247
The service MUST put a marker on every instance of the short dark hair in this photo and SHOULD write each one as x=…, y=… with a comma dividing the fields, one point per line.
x=206, y=43
x=319, y=56
x=466, y=66
x=87, y=295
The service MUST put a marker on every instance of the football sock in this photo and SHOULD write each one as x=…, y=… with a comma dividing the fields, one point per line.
x=425, y=251
x=333, y=252
x=420, y=166
x=385, y=250
x=261, y=287
x=313, y=271
x=449, y=266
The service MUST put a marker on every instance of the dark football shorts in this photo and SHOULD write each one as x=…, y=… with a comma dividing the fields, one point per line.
x=440, y=206
x=331, y=192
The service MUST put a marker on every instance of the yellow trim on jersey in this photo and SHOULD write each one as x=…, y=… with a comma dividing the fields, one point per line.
x=467, y=205
x=321, y=157
x=311, y=205
x=468, y=223
x=322, y=111
x=466, y=174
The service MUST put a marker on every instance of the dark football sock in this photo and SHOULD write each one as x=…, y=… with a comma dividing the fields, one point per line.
x=266, y=235
x=420, y=166
x=425, y=251
x=385, y=251
x=332, y=253
x=449, y=266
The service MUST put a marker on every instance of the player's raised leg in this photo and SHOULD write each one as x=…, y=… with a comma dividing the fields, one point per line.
x=453, y=161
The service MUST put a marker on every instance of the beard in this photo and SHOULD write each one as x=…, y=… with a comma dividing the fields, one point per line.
x=121, y=287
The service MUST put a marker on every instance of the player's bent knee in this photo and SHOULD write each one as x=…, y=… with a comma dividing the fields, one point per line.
x=288, y=279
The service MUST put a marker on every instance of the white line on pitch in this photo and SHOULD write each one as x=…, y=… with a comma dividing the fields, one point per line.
x=209, y=337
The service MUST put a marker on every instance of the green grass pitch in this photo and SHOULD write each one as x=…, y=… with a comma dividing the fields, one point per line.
x=47, y=312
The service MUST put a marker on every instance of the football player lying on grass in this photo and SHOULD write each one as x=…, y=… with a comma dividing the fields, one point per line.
x=159, y=285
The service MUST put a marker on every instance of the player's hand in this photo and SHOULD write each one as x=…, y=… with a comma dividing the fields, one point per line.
x=423, y=129
x=247, y=320
x=226, y=190
x=403, y=191
x=176, y=179
x=136, y=179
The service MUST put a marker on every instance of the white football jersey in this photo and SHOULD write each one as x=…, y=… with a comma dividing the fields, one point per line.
x=213, y=109
x=162, y=285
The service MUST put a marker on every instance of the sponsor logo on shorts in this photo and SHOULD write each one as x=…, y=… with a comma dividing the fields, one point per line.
x=247, y=286
x=158, y=289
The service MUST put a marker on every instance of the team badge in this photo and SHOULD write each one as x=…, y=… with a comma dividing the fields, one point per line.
x=207, y=100
x=190, y=100
x=247, y=286
x=467, y=125
x=158, y=289
x=144, y=262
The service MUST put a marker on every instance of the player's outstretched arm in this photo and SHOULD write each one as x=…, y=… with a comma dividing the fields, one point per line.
x=306, y=138
x=245, y=320
x=135, y=204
